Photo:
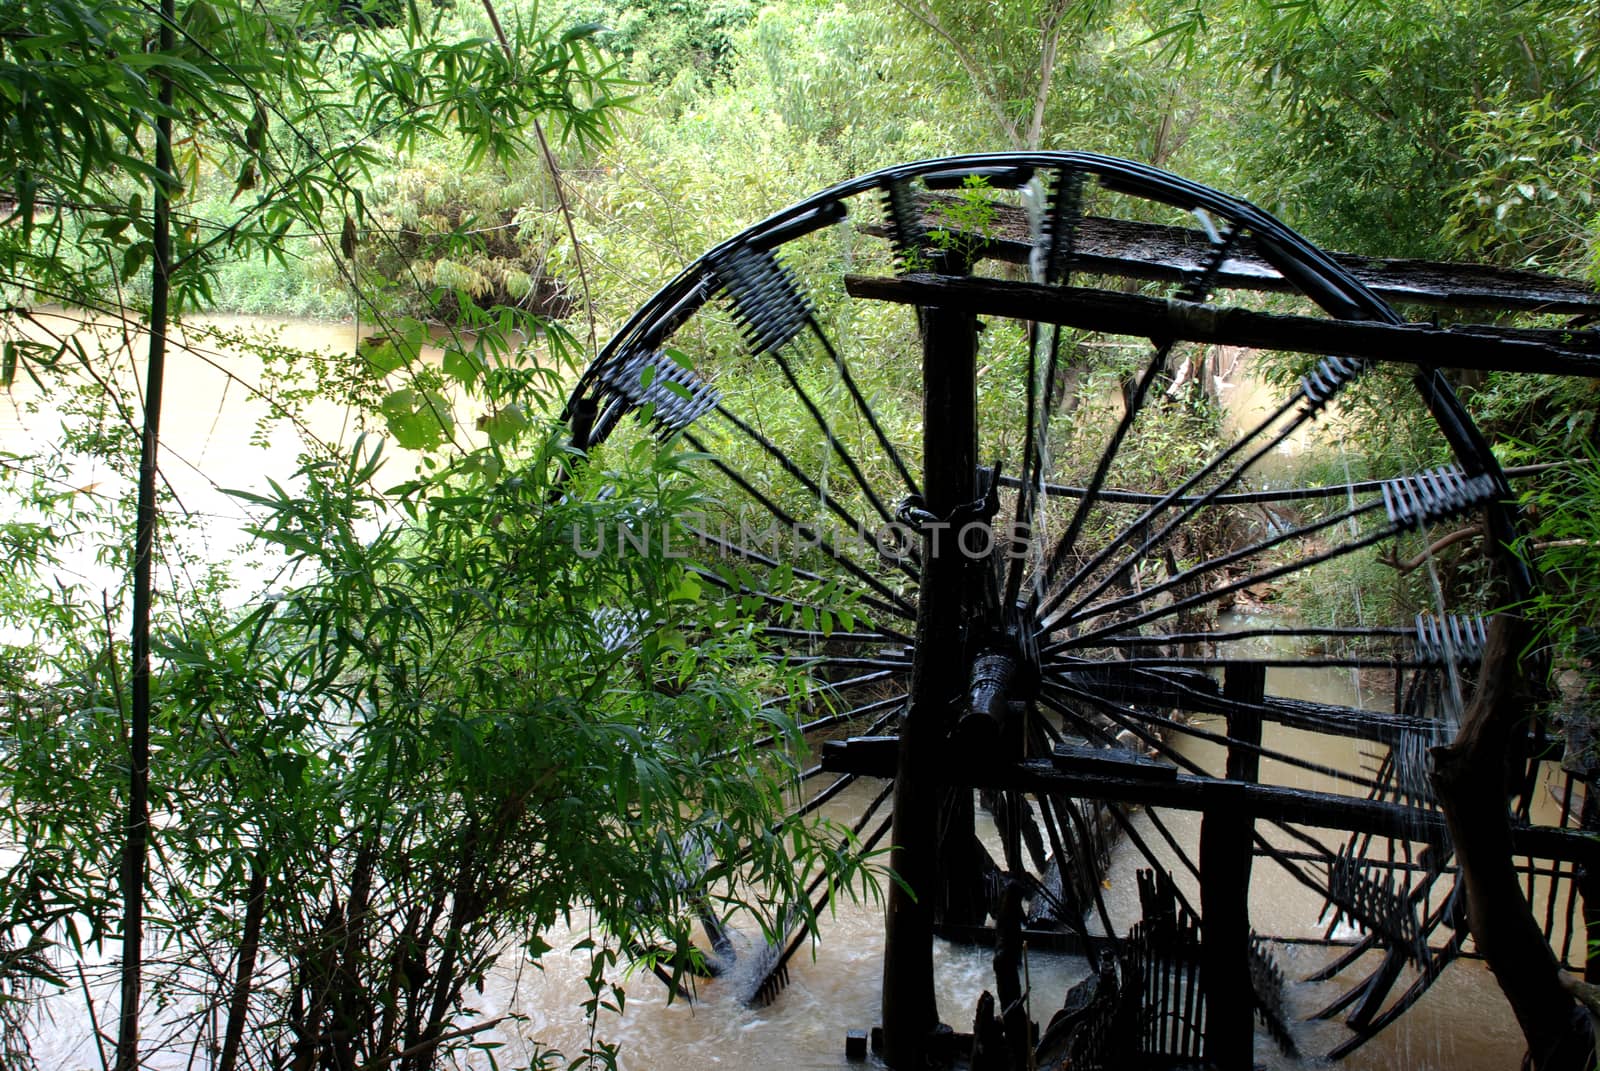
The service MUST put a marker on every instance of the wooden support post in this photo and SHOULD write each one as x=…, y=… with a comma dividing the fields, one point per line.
x=1244, y=683
x=1588, y=873
x=1225, y=857
x=949, y=352
x=1589, y=888
x=960, y=899
x=1008, y=978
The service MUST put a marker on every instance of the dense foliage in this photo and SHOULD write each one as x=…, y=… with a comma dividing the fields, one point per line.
x=318, y=815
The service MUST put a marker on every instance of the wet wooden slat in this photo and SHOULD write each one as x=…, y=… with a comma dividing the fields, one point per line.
x=1132, y=250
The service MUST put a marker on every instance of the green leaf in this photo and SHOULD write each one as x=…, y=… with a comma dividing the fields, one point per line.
x=462, y=365
x=583, y=31
x=133, y=259
x=418, y=419
x=381, y=355
x=504, y=424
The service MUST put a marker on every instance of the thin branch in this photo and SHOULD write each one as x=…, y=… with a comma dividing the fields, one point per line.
x=1391, y=557
x=560, y=183
x=94, y=1020
x=986, y=89
x=1049, y=40
x=423, y=1046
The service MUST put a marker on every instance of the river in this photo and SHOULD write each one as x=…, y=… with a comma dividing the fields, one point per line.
x=212, y=433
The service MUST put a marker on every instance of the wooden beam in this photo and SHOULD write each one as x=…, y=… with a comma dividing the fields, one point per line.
x=933, y=841
x=1189, y=792
x=1225, y=858
x=1130, y=250
x=1144, y=317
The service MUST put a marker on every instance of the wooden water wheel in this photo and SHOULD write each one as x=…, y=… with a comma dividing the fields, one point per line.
x=963, y=424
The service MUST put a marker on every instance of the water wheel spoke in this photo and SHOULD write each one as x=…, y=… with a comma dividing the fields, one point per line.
x=888, y=708
x=1080, y=514
x=736, y=586
x=1179, y=606
x=1189, y=507
x=901, y=559
x=1036, y=431
x=867, y=412
x=770, y=976
x=832, y=439
x=1246, y=635
x=836, y=636
x=1188, y=576
x=1055, y=242
x=837, y=661
x=891, y=601
x=886, y=599
x=1309, y=662
x=1123, y=496
x=1145, y=723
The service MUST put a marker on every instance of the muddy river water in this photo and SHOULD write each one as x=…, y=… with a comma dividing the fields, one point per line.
x=1462, y=1024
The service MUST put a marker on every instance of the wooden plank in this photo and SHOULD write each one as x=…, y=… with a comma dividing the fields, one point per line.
x=1578, y=352
x=1131, y=250
x=1116, y=761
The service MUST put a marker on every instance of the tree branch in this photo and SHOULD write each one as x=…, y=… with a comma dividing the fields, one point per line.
x=558, y=180
x=422, y=1047
x=1049, y=40
x=986, y=89
x=1392, y=557
x=1469, y=776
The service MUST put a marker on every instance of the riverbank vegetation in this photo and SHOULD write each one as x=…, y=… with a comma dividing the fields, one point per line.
x=332, y=803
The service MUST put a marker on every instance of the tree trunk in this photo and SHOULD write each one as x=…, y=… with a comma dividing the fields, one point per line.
x=135, y=846
x=249, y=947
x=1470, y=776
